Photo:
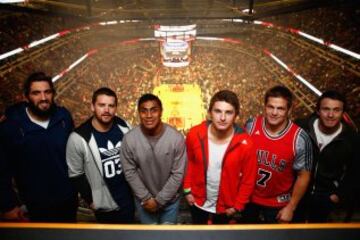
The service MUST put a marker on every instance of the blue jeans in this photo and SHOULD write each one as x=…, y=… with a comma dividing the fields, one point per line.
x=166, y=215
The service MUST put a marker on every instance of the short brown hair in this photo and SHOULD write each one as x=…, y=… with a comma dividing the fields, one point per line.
x=279, y=91
x=104, y=91
x=334, y=95
x=225, y=96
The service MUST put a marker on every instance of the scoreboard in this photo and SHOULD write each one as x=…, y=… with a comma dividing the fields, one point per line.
x=175, y=44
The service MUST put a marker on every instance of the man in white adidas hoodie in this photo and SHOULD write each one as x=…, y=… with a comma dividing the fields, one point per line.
x=93, y=158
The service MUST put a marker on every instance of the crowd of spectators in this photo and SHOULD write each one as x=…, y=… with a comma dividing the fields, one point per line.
x=338, y=24
x=211, y=68
x=138, y=70
x=17, y=29
x=128, y=73
x=315, y=68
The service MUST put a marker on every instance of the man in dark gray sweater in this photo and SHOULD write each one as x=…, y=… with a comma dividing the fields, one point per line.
x=153, y=157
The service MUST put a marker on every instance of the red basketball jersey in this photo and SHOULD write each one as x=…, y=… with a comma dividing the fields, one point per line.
x=275, y=158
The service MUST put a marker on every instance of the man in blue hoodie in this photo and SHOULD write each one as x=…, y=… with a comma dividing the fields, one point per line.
x=33, y=137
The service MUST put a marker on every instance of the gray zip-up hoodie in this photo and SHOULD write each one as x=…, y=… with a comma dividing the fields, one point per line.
x=84, y=161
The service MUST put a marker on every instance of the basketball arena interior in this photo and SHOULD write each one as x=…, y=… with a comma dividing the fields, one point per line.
x=183, y=51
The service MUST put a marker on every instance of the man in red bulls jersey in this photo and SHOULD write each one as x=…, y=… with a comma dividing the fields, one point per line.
x=284, y=160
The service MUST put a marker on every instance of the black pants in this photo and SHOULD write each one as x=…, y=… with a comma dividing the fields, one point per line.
x=254, y=213
x=200, y=216
x=62, y=212
x=316, y=208
x=124, y=216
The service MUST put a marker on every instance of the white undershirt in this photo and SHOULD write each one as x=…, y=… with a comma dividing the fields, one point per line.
x=322, y=138
x=43, y=124
x=216, y=156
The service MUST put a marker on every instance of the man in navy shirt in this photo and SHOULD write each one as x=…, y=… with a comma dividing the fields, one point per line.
x=93, y=157
x=33, y=140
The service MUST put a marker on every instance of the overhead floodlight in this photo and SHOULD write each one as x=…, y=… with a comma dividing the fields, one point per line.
x=247, y=11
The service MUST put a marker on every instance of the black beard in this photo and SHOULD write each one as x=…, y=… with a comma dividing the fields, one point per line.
x=41, y=113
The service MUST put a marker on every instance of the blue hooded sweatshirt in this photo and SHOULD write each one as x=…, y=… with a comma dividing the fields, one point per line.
x=35, y=158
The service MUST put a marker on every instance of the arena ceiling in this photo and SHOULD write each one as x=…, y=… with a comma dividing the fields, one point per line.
x=157, y=10
x=172, y=9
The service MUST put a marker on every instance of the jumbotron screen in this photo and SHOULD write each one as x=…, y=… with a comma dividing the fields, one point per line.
x=175, y=44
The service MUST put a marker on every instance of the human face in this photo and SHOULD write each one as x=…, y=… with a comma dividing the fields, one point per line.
x=150, y=116
x=223, y=116
x=330, y=113
x=41, y=99
x=104, y=109
x=276, y=114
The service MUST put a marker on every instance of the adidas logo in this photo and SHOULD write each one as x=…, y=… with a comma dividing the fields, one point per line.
x=111, y=149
